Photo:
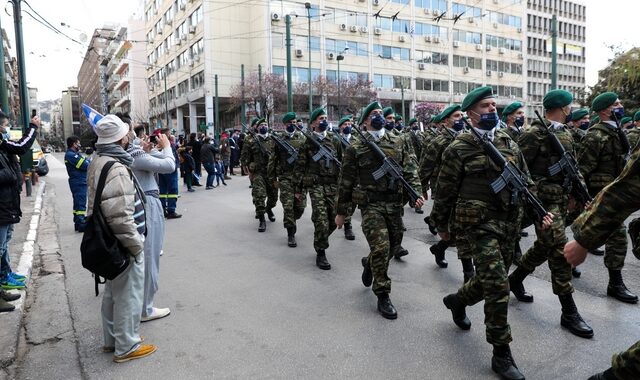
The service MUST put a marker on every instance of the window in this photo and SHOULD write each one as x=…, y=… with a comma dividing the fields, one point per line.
x=432, y=85
x=467, y=37
x=507, y=43
x=183, y=59
x=470, y=62
x=401, y=82
x=277, y=40
x=183, y=87
x=196, y=17
x=390, y=52
x=505, y=19
x=197, y=80
x=440, y=5
x=464, y=87
x=197, y=48
x=423, y=29
x=467, y=10
x=383, y=81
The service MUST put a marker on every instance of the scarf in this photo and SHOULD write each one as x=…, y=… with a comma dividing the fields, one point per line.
x=135, y=151
x=115, y=151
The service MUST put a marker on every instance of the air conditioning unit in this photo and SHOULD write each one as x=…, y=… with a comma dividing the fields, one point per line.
x=495, y=25
x=427, y=38
x=488, y=73
x=343, y=26
x=363, y=29
x=435, y=12
x=376, y=3
x=183, y=6
x=501, y=74
x=150, y=40
x=421, y=66
x=190, y=63
x=471, y=21
x=330, y=55
x=427, y=11
x=478, y=47
x=488, y=47
x=519, y=30
x=436, y=40
x=456, y=43
x=183, y=37
x=466, y=69
x=178, y=42
x=299, y=53
x=196, y=57
x=275, y=16
x=402, y=38
x=353, y=28
x=159, y=31
x=192, y=29
x=377, y=31
x=502, y=50
x=520, y=55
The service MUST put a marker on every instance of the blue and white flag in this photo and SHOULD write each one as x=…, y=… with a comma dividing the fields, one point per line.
x=92, y=115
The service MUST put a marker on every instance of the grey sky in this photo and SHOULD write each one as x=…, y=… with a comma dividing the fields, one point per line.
x=53, y=61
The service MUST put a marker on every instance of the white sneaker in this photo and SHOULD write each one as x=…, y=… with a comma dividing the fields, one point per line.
x=157, y=313
x=161, y=252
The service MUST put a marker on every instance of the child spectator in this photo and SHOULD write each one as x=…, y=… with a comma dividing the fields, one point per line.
x=219, y=170
x=187, y=166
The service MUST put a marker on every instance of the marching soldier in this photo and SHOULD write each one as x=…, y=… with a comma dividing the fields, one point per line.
x=602, y=157
x=634, y=132
x=346, y=138
x=626, y=123
x=281, y=174
x=579, y=125
x=417, y=139
x=464, y=184
x=513, y=117
x=255, y=157
x=554, y=192
x=320, y=178
x=381, y=207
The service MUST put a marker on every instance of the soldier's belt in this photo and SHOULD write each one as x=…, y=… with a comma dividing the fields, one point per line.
x=325, y=180
x=382, y=197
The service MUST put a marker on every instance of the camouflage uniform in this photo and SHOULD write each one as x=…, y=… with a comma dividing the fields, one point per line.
x=610, y=208
x=431, y=160
x=261, y=188
x=381, y=208
x=464, y=184
x=281, y=171
x=634, y=137
x=322, y=183
x=601, y=161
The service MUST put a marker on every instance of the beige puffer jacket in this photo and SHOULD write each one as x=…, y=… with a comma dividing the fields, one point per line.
x=118, y=202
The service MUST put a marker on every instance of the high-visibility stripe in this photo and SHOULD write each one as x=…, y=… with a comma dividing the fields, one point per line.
x=80, y=161
x=79, y=212
x=172, y=196
x=164, y=196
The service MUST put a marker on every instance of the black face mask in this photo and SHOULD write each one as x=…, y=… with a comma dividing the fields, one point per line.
x=399, y=126
x=389, y=125
x=323, y=126
x=519, y=121
x=346, y=130
x=415, y=128
x=488, y=121
x=377, y=122
x=617, y=113
x=263, y=130
x=458, y=125
x=584, y=125
x=291, y=128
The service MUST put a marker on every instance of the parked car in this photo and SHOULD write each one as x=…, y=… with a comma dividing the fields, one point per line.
x=39, y=161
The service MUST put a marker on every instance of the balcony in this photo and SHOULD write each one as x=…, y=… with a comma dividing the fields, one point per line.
x=123, y=101
x=114, y=98
x=122, y=83
x=122, y=66
x=113, y=80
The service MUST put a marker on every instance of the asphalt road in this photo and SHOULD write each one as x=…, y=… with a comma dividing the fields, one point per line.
x=244, y=305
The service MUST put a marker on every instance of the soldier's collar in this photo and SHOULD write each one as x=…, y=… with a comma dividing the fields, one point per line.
x=610, y=124
x=556, y=126
x=377, y=135
x=264, y=136
x=321, y=135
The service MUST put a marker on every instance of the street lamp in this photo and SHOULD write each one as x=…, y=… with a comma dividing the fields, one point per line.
x=339, y=58
x=308, y=7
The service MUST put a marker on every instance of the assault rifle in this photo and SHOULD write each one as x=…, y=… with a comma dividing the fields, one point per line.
x=567, y=165
x=343, y=140
x=287, y=147
x=261, y=146
x=511, y=177
x=389, y=167
x=323, y=153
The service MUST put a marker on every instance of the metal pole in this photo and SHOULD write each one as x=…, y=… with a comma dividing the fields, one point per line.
x=308, y=6
x=166, y=99
x=554, y=52
x=243, y=120
x=402, y=93
x=339, y=92
x=217, y=105
x=26, y=162
x=263, y=114
x=4, y=96
x=289, y=89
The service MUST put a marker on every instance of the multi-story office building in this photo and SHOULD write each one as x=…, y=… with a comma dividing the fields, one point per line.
x=71, y=113
x=11, y=79
x=411, y=50
x=571, y=42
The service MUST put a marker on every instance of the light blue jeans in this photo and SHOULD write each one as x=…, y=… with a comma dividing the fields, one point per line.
x=6, y=231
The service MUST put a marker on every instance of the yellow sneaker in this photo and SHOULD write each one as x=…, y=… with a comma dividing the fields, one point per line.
x=141, y=352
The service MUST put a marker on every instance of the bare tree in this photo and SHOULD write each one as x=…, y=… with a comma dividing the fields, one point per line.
x=264, y=96
x=426, y=110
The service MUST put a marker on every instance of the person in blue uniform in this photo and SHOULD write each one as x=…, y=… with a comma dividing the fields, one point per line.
x=77, y=165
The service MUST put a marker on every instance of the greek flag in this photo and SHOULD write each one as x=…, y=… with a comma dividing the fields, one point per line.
x=92, y=115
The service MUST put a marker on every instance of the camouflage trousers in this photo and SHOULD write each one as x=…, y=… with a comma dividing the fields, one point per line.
x=323, y=213
x=626, y=365
x=634, y=234
x=616, y=248
x=293, y=208
x=263, y=191
x=382, y=226
x=463, y=245
x=492, y=259
x=549, y=246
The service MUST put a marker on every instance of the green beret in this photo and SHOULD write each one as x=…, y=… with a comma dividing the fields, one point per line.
x=260, y=121
x=595, y=119
x=365, y=113
x=413, y=120
x=636, y=117
x=436, y=118
x=387, y=111
x=625, y=120
x=398, y=117
x=603, y=101
x=317, y=113
x=511, y=108
x=449, y=111
x=475, y=96
x=289, y=116
x=253, y=121
x=344, y=120
x=579, y=114
x=556, y=99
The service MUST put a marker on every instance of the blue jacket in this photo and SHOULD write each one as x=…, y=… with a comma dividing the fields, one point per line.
x=77, y=166
x=218, y=167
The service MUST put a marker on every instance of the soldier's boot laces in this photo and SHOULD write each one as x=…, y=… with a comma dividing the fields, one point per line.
x=321, y=260
x=263, y=224
x=606, y=375
x=291, y=237
x=617, y=288
x=367, y=275
x=272, y=218
x=517, y=288
x=453, y=303
x=432, y=227
x=348, y=232
x=467, y=269
x=438, y=250
x=572, y=320
x=503, y=364
x=385, y=307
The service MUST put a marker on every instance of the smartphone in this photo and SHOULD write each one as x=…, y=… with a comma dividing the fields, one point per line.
x=33, y=113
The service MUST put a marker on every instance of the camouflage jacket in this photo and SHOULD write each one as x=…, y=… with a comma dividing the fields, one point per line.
x=311, y=172
x=253, y=157
x=278, y=165
x=577, y=134
x=431, y=160
x=611, y=207
x=600, y=156
x=634, y=137
x=464, y=183
x=417, y=140
x=357, y=184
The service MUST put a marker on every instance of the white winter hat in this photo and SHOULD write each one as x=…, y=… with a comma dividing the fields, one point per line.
x=110, y=129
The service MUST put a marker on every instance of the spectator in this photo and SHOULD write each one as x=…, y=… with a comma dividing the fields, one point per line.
x=240, y=145
x=10, y=213
x=196, y=144
x=122, y=203
x=168, y=183
x=187, y=165
x=235, y=151
x=219, y=170
x=77, y=165
x=225, y=152
x=207, y=156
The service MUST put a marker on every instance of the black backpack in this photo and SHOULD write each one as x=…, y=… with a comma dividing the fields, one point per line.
x=102, y=254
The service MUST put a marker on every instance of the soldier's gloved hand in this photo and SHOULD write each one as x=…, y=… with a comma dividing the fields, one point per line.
x=420, y=202
x=444, y=236
x=575, y=253
x=547, y=220
x=339, y=221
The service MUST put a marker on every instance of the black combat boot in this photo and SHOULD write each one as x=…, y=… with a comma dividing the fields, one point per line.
x=503, y=364
x=618, y=290
x=571, y=319
x=467, y=269
x=321, y=260
x=606, y=375
x=453, y=303
x=576, y=272
x=634, y=234
x=597, y=252
x=419, y=210
x=515, y=284
x=432, y=227
x=517, y=254
x=438, y=251
x=367, y=276
x=272, y=218
x=348, y=232
x=291, y=237
x=385, y=307
x=263, y=224
x=398, y=252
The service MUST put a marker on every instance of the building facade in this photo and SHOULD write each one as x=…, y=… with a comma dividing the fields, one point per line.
x=71, y=123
